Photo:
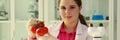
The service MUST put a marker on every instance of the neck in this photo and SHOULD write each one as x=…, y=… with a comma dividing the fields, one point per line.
x=70, y=26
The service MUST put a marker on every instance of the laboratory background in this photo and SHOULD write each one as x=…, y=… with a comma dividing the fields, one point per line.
x=14, y=15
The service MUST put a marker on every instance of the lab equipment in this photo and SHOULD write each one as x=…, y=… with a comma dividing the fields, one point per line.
x=96, y=32
x=97, y=16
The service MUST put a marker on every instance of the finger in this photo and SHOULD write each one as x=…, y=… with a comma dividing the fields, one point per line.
x=30, y=23
x=33, y=21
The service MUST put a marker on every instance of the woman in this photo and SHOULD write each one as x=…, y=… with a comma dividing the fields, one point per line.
x=72, y=26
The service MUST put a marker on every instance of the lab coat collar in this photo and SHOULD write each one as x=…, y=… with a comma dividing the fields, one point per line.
x=54, y=29
x=79, y=31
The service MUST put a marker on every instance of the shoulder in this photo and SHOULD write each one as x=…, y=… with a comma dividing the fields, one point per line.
x=84, y=26
x=88, y=37
x=86, y=32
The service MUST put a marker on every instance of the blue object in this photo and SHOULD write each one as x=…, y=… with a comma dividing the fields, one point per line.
x=97, y=17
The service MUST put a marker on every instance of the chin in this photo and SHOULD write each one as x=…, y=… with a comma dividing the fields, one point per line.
x=68, y=21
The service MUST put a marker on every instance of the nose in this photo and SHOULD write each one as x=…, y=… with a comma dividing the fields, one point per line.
x=67, y=11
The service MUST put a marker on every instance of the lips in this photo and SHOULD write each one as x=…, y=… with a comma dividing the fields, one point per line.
x=68, y=17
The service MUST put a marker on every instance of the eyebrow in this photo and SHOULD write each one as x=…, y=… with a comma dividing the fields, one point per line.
x=72, y=5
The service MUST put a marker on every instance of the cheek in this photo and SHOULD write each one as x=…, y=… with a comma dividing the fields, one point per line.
x=75, y=13
x=62, y=13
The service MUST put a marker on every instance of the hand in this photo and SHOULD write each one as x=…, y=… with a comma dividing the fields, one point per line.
x=34, y=22
x=30, y=23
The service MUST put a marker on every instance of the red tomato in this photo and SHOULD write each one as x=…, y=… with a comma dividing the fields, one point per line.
x=39, y=29
x=42, y=31
x=40, y=24
x=33, y=30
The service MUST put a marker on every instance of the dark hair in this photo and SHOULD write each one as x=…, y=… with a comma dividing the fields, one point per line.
x=81, y=17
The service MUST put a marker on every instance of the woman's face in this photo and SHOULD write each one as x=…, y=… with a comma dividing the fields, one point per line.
x=69, y=10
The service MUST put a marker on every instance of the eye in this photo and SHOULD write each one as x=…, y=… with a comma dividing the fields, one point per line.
x=63, y=7
x=72, y=7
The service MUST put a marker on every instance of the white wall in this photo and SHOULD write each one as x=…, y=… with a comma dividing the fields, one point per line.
x=100, y=6
x=22, y=9
x=22, y=14
x=20, y=31
x=5, y=27
x=4, y=31
x=49, y=11
x=118, y=19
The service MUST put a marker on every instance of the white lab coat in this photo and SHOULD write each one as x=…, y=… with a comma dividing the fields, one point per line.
x=81, y=33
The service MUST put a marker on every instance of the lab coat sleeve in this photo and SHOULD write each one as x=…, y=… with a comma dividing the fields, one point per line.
x=89, y=37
